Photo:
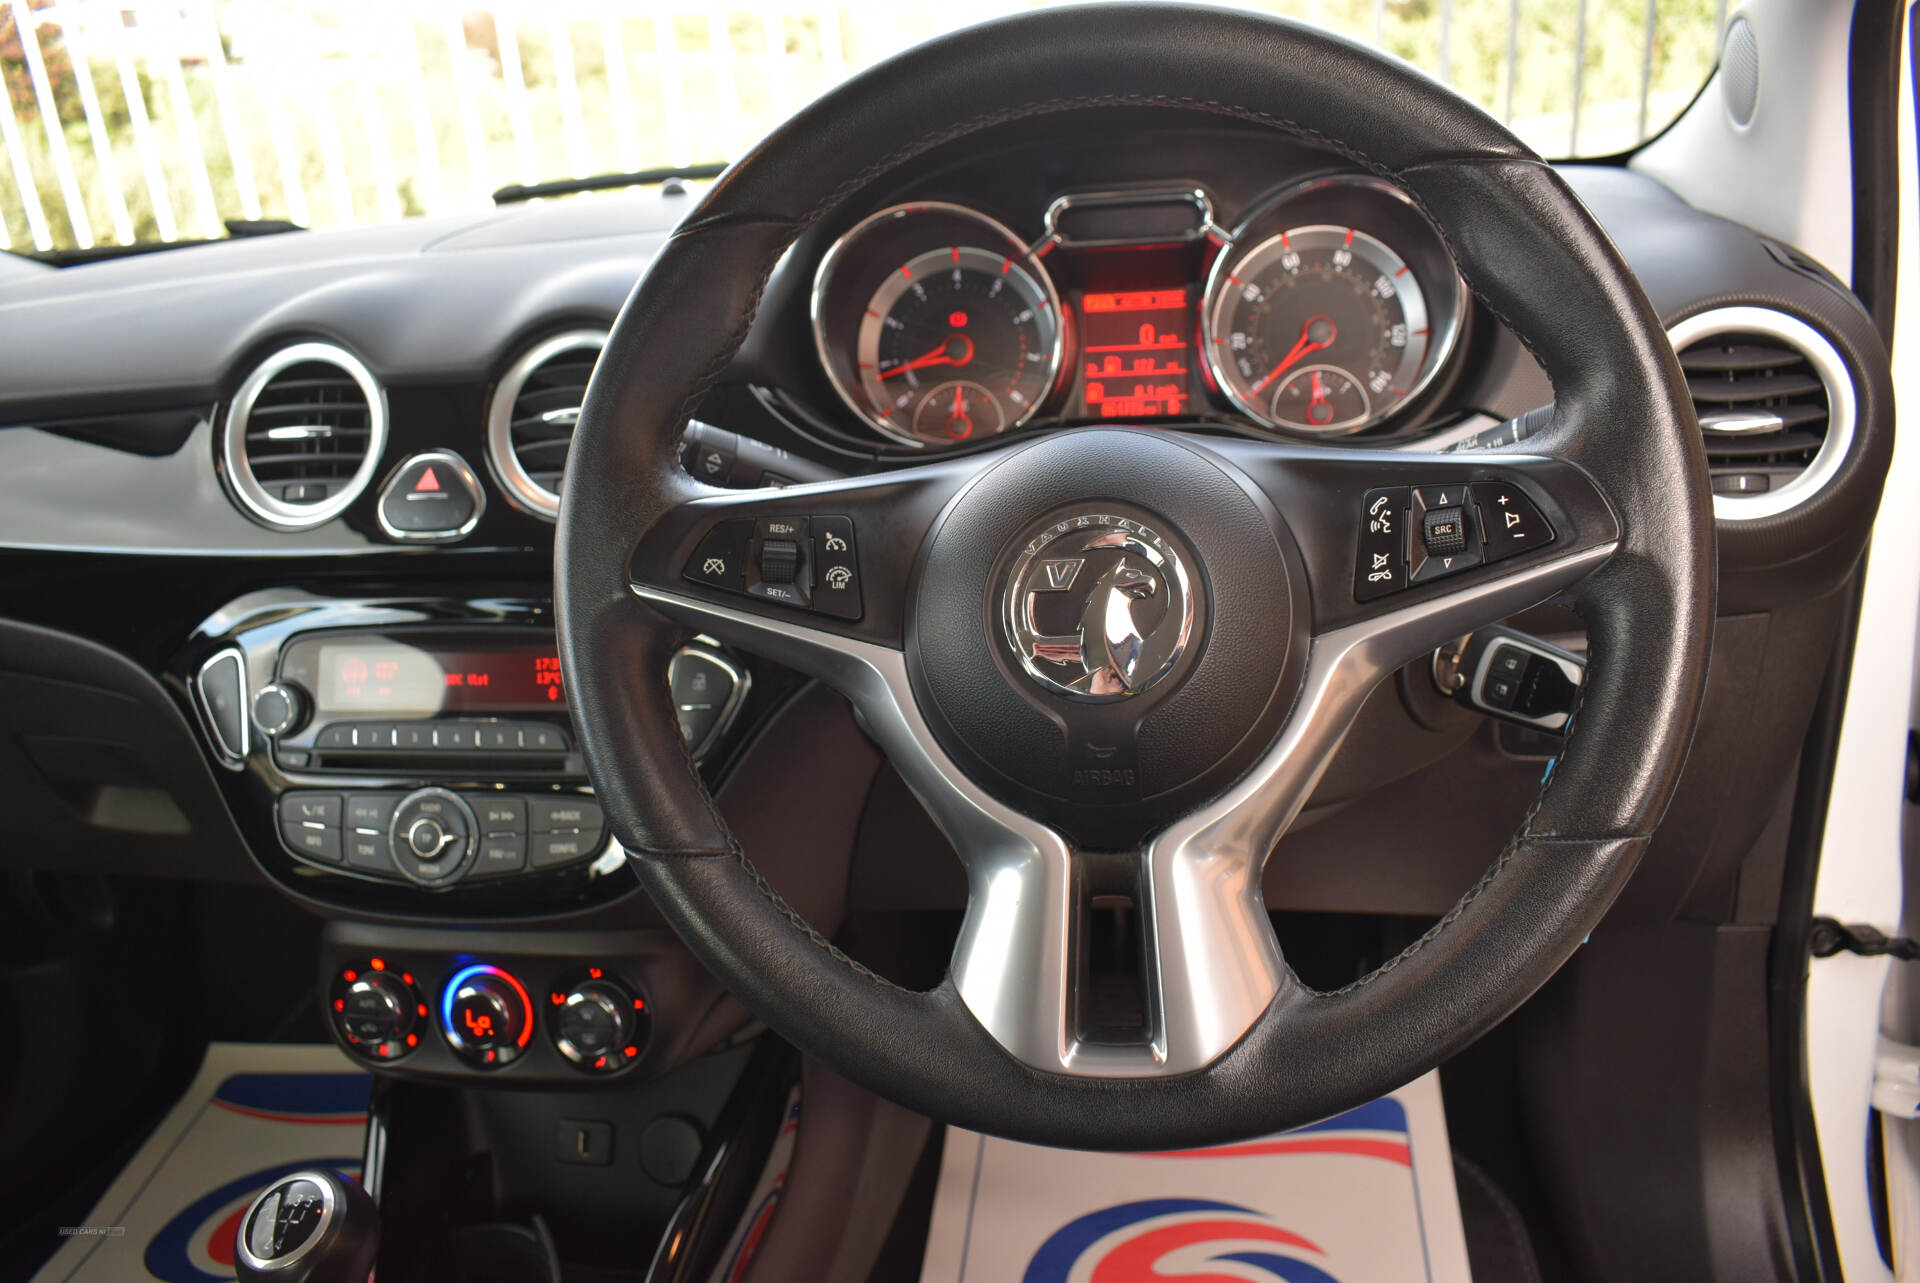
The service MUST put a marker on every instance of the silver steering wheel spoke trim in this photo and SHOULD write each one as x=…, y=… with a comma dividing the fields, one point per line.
x=1213, y=963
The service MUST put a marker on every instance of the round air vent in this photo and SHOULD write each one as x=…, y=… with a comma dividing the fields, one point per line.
x=1776, y=407
x=303, y=436
x=531, y=418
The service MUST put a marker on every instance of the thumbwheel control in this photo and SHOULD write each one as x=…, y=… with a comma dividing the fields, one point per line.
x=486, y=1016
x=597, y=1022
x=376, y=1009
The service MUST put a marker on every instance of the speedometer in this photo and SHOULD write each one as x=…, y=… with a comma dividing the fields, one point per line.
x=1322, y=329
x=1322, y=325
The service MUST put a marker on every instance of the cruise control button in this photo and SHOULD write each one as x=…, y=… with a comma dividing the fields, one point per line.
x=720, y=560
x=1511, y=523
x=836, y=572
x=555, y=815
x=1381, y=567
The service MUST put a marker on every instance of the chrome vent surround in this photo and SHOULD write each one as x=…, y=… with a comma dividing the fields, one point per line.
x=303, y=436
x=531, y=418
x=1775, y=400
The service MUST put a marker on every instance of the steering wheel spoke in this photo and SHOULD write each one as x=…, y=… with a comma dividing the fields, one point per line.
x=831, y=557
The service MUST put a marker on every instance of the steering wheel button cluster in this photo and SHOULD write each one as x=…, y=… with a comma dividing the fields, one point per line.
x=1441, y=539
x=1382, y=564
x=805, y=562
x=1510, y=522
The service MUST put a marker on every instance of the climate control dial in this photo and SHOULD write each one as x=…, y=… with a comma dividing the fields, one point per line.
x=377, y=1010
x=486, y=1016
x=598, y=1023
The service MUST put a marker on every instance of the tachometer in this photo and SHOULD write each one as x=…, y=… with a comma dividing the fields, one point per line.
x=956, y=345
x=936, y=326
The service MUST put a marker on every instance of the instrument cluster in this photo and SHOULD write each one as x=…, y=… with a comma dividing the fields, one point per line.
x=1330, y=309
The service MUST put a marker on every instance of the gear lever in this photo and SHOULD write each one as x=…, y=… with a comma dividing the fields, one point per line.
x=308, y=1227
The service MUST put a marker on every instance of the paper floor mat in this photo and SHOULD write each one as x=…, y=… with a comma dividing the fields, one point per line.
x=254, y=1113
x=1367, y=1197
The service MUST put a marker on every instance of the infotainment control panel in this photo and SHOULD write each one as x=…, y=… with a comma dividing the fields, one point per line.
x=441, y=700
x=410, y=755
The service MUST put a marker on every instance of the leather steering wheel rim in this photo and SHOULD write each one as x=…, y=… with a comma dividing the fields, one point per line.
x=1621, y=431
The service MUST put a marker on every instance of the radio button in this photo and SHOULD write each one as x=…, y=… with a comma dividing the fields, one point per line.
x=370, y=810
x=338, y=735
x=557, y=815
x=455, y=736
x=432, y=837
x=368, y=852
x=500, y=737
x=311, y=808
x=541, y=738
x=501, y=815
x=550, y=849
x=311, y=841
x=413, y=736
x=499, y=855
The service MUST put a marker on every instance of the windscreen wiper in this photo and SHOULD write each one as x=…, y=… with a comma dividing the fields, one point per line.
x=513, y=195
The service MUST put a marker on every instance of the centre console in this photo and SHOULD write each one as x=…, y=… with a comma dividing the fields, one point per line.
x=417, y=756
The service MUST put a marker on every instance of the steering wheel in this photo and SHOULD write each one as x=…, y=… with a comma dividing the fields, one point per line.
x=1228, y=632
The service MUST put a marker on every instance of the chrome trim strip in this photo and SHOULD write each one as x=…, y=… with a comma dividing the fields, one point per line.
x=1842, y=406
x=521, y=490
x=232, y=435
x=1194, y=196
x=460, y=468
x=1214, y=965
x=233, y=757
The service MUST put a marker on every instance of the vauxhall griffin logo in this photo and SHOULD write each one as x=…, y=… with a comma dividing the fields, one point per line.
x=1098, y=607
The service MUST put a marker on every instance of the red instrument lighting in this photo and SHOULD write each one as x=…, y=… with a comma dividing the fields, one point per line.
x=632, y=1052
x=413, y=1040
x=559, y=999
x=601, y=1063
x=594, y=972
x=350, y=975
x=639, y=1004
x=1136, y=355
x=378, y=964
x=958, y=320
x=339, y=1004
x=423, y=1010
x=408, y=977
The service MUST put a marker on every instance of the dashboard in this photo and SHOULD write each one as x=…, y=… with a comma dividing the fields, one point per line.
x=303, y=486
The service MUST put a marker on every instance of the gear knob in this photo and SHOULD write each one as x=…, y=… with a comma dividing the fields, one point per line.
x=309, y=1227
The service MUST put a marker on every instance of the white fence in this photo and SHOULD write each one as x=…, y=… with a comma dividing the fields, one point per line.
x=128, y=120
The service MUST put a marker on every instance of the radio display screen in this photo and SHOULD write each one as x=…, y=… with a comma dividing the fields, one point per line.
x=379, y=674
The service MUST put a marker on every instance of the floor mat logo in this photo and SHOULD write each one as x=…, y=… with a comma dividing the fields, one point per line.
x=1189, y=1239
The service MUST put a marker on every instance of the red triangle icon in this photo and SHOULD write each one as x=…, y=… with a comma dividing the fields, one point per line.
x=427, y=481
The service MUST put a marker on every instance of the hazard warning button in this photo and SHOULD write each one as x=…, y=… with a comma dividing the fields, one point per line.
x=431, y=498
